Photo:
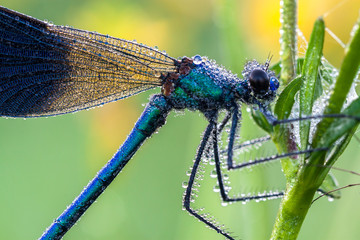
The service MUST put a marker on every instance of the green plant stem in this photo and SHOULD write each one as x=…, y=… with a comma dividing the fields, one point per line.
x=293, y=209
x=288, y=19
x=300, y=190
x=298, y=196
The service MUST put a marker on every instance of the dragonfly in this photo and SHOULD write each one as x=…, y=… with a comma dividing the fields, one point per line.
x=48, y=70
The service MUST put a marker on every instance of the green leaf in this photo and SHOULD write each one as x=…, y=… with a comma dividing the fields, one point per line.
x=309, y=75
x=341, y=126
x=286, y=99
x=340, y=129
x=261, y=121
x=340, y=147
x=330, y=184
x=327, y=72
x=345, y=79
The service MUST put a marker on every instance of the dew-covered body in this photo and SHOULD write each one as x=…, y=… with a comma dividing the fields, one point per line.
x=47, y=70
x=208, y=86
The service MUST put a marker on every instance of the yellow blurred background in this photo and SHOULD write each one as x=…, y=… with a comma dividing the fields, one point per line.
x=44, y=163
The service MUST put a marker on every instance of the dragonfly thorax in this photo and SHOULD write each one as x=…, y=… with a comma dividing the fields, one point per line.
x=203, y=85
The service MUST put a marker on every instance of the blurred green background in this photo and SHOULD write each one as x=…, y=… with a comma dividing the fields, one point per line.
x=44, y=163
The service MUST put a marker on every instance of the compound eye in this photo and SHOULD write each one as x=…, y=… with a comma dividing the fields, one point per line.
x=259, y=81
x=274, y=83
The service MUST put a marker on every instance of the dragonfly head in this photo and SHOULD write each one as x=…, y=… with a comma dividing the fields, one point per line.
x=261, y=83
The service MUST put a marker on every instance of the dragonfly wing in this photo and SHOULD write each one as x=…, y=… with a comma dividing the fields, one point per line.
x=48, y=70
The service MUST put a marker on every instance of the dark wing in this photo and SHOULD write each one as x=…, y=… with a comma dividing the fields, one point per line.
x=48, y=70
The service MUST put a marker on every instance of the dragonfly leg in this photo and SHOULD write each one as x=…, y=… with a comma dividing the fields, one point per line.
x=220, y=128
x=224, y=122
x=236, y=116
x=249, y=143
x=223, y=192
x=230, y=150
x=250, y=163
x=339, y=115
x=210, y=129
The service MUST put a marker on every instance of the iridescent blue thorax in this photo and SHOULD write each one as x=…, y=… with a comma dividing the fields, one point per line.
x=203, y=85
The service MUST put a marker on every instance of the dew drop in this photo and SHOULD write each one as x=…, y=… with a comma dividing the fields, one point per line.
x=212, y=162
x=197, y=59
x=216, y=188
x=185, y=184
x=213, y=174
